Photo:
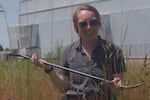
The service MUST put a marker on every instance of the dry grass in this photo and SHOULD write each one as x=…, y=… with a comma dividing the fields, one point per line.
x=137, y=71
x=21, y=80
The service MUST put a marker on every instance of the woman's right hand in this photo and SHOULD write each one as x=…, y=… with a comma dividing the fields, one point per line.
x=37, y=61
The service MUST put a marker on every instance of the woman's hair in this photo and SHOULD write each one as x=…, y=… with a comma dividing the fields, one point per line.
x=84, y=7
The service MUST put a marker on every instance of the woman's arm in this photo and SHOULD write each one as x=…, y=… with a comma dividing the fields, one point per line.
x=60, y=80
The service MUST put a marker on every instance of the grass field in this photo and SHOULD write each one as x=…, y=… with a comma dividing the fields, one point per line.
x=21, y=80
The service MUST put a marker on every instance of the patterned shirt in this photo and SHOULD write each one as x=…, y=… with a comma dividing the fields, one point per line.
x=106, y=60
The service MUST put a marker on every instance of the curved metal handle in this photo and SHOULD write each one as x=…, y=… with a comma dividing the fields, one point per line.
x=131, y=86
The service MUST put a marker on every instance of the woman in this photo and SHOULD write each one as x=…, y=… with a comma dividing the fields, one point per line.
x=90, y=54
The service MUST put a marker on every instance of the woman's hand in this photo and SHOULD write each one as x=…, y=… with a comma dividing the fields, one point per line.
x=116, y=82
x=37, y=61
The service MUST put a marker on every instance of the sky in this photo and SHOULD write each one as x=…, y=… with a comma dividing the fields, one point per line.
x=12, y=13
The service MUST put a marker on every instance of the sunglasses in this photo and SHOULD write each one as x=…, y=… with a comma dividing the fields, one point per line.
x=84, y=24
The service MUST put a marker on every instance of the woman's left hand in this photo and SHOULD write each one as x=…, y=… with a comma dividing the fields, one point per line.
x=116, y=82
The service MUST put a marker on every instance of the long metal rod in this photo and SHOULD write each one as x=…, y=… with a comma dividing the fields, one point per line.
x=65, y=68
x=78, y=72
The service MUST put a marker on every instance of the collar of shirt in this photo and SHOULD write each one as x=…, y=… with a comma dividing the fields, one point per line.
x=79, y=46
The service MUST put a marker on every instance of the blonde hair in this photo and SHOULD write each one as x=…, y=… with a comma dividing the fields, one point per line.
x=84, y=7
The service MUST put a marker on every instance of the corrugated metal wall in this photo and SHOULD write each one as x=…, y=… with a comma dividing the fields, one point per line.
x=128, y=19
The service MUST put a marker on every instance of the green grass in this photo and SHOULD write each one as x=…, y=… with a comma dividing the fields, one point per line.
x=21, y=80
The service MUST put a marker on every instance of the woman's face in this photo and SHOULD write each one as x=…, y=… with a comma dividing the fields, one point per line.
x=87, y=24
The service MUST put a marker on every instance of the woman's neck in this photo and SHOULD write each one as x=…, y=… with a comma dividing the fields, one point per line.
x=88, y=47
x=89, y=44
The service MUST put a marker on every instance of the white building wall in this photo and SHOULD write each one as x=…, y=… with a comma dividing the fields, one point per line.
x=129, y=22
x=45, y=38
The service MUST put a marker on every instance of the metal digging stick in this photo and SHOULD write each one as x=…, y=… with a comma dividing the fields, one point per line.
x=78, y=72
